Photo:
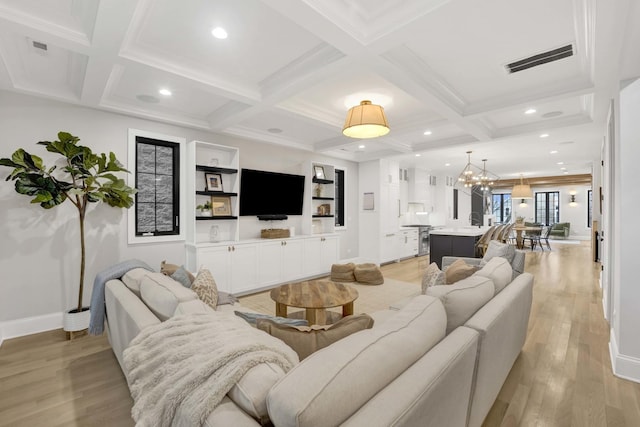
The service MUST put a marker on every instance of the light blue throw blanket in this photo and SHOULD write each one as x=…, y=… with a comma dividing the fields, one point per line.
x=96, y=322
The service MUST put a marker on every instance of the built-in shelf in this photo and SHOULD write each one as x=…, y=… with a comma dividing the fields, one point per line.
x=208, y=218
x=322, y=181
x=322, y=216
x=215, y=169
x=322, y=198
x=215, y=193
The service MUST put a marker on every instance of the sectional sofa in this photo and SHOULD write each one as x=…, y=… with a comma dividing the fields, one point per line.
x=439, y=360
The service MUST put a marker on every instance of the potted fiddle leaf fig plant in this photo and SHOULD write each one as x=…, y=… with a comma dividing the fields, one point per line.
x=83, y=178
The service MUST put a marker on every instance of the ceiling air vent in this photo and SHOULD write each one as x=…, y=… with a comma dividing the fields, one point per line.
x=541, y=58
x=39, y=45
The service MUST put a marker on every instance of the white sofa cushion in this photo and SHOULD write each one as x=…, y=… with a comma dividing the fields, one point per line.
x=500, y=249
x=133, y=278
x=162, y=294
x=322, y=386
x=462, y=299
x=499, y=271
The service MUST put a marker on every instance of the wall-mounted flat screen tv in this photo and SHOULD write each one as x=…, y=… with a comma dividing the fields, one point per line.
x=270, y=193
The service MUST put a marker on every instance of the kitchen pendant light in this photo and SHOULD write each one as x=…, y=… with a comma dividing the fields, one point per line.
x=366, y=120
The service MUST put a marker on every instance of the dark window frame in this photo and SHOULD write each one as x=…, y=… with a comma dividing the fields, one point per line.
x=589, y=208
x=545, y=196
x=340, y=197
x=175, y=205
x=504, y=217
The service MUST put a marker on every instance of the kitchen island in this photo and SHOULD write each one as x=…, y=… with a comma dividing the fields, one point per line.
x=454, y=242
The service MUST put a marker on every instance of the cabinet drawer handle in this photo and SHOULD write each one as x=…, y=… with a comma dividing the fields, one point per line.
x=390, y=235
x=228, y=248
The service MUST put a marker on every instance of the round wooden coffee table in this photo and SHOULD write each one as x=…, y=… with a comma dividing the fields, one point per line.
x=315, y=296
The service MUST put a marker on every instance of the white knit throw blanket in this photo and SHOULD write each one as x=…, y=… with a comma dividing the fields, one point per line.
x=192, y=361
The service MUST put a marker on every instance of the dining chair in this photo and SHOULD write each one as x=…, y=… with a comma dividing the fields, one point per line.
x=536, y=237
x=483, y=241
x=546, y=232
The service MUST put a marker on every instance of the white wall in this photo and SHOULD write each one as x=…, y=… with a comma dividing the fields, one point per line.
x=624, y=344
x=40, y=249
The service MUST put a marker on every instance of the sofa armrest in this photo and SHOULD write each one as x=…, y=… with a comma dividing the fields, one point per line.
x=126, y=317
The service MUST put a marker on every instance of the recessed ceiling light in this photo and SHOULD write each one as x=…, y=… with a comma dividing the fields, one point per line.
x=447, y=164
x=361, y=146
x=219, y=33
x=530, y=111
x=427, y=132
x=418, y=155
x=563, y=169
x=544, y=135
x=274, y=130
x=560, y=163
x=553, y=152
x=566, y=172
x=165, y=92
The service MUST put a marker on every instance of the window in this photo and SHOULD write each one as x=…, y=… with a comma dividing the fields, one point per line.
x=548, y=207
x=339, y=197
x=455, y=203
x=589, y=207
x=501, y=207
x=155, y=170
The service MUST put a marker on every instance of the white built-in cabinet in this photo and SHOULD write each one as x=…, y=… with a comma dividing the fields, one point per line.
x=233, y=266
x=421, y=187
x=320, y=252
x=280, y=260
x=319, y=211
x=244, y=266
x=398, y=245
x=204, y=160
x=249, y=265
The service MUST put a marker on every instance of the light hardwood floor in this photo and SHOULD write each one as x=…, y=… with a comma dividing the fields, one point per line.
x=562, y=377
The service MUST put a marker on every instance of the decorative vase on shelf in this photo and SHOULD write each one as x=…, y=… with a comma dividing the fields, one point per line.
x=318, y=190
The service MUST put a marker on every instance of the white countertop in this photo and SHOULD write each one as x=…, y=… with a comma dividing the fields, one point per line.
x=460, y=231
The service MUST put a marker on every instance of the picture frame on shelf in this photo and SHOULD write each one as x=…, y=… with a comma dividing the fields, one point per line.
x=221, y=205
x=213, y=181
x=318, y=171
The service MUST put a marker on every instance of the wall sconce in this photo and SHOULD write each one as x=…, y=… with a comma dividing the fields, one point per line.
x=523, y=203
x=572, y=200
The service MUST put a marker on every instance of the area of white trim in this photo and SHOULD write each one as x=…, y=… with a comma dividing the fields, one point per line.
x=30, y=325
x=623, y=366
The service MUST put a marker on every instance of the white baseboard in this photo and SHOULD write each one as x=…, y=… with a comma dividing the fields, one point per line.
x=30, y=325
x=623, y=366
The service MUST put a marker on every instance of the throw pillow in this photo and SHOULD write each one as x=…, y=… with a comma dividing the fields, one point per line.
x=457, y=271
x=306, y=340
x=432, y=277
x=500, y=249
x=168, y=269
x=205, y=287
x=181, y=275
x=252, y=318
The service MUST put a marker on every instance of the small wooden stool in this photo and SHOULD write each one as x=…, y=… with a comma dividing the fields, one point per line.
x=343, y=272
x=368, y=274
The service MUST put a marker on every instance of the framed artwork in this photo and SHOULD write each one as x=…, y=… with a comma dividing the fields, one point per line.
x=319, y=172
x=221, y=205
x=214, y=181
x=367, y=202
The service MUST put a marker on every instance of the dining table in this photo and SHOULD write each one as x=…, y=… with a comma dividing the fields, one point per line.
x=519, y=229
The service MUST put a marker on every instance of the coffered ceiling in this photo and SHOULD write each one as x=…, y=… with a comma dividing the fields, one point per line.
x=289, y=70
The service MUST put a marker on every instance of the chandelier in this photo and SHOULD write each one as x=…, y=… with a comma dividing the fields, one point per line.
x=474, y=179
